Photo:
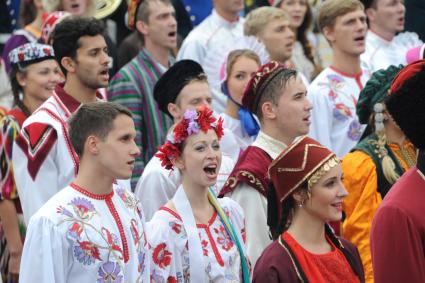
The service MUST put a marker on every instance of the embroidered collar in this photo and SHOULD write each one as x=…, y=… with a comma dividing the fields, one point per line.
x=69, y=101
x=270, y=145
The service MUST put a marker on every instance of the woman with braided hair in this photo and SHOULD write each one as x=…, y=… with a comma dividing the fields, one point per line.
x=33, y=77
x=375, y=164
x=306, y=194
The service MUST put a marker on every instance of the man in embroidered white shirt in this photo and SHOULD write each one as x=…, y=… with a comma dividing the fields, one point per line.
x=383, y=48
x=224, y=24
x=92, y=230
x=335, y=90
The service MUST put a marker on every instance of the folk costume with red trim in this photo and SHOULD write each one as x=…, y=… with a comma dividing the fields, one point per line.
x=182, y=250
x=78, y=236
x=44, y=159
x=248, y=181
x=286, y=260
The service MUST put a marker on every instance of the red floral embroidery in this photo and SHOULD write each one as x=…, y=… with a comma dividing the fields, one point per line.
x=172, y=279
x=204, y=247
x=77, y=229
x=90, y=249
x=161, y=256
x=223, y=239
x=176, y=227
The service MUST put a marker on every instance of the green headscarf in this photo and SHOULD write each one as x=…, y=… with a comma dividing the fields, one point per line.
x=375, y=91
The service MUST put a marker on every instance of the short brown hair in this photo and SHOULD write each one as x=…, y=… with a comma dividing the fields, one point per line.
x=331, y=9
x=143, y=11
x=274, y=90
x=95, y=118
x=257, y=19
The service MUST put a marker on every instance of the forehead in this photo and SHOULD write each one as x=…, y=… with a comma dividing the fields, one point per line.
x=91, y=42
x=244, y=62
x=122, y=124
x=202, y=136
x=194, y=89
x=350, y=15
x=276, y=22
x=157, y=7
x=294, y=85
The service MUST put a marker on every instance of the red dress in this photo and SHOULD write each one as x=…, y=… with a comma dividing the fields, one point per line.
x=331, y=267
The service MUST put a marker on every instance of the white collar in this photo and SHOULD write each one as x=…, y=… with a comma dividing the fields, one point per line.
x=271, y=146
x=220, y=21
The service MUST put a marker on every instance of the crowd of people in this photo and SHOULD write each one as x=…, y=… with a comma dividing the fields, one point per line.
x=212, y=141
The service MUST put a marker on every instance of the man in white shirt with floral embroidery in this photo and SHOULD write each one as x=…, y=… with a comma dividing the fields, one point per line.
x=92, y=230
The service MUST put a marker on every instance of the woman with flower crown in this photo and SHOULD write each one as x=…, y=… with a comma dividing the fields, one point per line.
x=195, y=237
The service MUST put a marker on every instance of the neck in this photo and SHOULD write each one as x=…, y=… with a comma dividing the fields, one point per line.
x=394, y=135
x=31, y=103
x=273, y=131
x=92, y=180
x=80, y=92
x=230, y=17
x=421, y=161
x=388, y=36
x=198, y=199
x=232, y=109
x=346, y=63
x=160, y=53
x=38, y=21
x=307, y=229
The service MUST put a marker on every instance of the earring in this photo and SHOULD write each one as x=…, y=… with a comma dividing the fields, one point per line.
x=301, y=204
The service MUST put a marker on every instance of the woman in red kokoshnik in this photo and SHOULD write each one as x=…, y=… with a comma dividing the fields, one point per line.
x=307, y=193
x=33, y=77
x=195, y=237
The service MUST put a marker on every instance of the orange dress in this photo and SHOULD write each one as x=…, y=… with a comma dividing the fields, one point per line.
x=363, y=200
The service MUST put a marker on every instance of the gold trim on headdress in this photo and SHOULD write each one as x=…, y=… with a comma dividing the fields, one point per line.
x=325, y=168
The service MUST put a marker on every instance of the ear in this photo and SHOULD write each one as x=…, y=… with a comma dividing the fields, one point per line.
x=69, y=64
x=300, y=196
x=174, y=110
x=92, y=145
x=21, y=78
x=268, y=110
x=328, y=32
x=142, y=27
x=370, y=14
x=178, y=163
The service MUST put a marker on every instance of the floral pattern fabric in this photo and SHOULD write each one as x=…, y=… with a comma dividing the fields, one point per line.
x=334, y=122
x=170, y=251
x=102, y=238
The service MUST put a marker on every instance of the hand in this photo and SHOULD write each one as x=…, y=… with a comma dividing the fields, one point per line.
x=14, y=265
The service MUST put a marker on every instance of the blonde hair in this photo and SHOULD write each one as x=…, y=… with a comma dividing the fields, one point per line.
x=331, y=9
x=238, y=53
x=56, y=5
x=257, y=19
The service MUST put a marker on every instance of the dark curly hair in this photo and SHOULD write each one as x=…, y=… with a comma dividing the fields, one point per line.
x=67, y=33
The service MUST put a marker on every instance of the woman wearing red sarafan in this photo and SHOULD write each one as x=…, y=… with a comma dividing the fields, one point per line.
x=195, y=237
x=307, y=193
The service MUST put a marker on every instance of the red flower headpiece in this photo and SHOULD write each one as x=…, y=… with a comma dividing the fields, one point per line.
x=193, y=121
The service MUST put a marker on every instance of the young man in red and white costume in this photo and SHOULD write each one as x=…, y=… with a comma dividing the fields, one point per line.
x=92, y=230
x=44, y=160
x=278, y=97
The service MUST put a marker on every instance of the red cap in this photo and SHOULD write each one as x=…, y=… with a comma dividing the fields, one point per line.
x=296, y=164
x=405, y=74
x=258, y=82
